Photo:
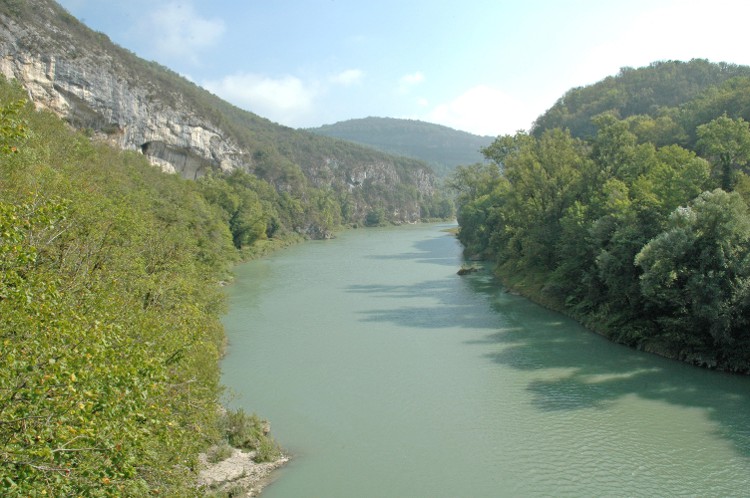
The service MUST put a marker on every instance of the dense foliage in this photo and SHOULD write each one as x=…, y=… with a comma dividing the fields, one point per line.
x=110, y=304
x=646, y=243
x=441, y=147
x=664, y=103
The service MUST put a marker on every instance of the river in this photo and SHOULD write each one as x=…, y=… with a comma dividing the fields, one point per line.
x=385, y=374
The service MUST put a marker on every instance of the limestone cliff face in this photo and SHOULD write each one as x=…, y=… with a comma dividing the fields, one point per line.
x=86, y=86
x=137, y=105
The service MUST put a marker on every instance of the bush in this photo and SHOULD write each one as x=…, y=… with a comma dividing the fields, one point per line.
x=220, y=452
x=249, y=432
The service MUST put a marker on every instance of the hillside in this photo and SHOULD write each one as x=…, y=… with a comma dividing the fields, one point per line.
x=663, y=102
x=138, y=105
x=441, y=147
x=110, y=330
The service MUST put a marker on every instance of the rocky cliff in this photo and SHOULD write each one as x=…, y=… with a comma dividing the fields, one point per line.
x=85, y=84
x=138, y=105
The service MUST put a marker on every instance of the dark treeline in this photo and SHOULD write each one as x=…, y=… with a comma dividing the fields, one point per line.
x=645, y=240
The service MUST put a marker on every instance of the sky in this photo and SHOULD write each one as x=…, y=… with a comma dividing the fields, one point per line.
x=489, y=67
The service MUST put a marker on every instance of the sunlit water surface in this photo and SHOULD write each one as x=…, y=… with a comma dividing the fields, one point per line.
x=385, y=374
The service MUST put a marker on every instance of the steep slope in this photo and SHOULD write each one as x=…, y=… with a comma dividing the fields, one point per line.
x=96, y=85
x=678, y=93
x=441, y=147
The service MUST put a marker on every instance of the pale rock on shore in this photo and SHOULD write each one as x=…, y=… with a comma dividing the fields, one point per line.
x=239, y=471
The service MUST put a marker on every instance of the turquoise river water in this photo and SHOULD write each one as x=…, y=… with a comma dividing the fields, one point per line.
x=384, y=374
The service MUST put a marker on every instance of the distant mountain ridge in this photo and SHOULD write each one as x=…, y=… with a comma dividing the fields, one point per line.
x=440, y=146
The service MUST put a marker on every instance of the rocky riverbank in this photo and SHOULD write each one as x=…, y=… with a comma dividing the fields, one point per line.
x=237, y=475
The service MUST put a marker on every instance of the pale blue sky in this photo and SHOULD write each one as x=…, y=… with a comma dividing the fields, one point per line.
x=487, y=67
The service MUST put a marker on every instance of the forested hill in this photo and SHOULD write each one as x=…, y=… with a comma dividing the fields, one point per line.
x=110, y=307
x=441, y=147
x=138, y=105
x=663, y=102
x=636, y=224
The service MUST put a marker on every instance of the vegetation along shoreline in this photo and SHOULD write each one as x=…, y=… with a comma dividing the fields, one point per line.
x=625, y=206
x=631, y=216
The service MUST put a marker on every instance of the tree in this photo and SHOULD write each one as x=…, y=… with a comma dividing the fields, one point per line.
x=110, y=331
x=13, y=129
x=505, y=146
x=696, y=276
x=243, y=209
x=544, y=176
x=375, y=218
x=726, y=142
x=473, y=181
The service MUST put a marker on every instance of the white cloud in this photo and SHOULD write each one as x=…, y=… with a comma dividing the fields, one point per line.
x=678, y=31
x=483, y=110
x=413, y=79
x=286, y=100
x=409, y=81
x=348, y=77
x=177, y=30
x=674, y=30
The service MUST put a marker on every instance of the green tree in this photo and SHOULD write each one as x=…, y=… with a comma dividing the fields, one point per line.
x=324, y=210
x=375, y=218
x=726, y=142
x=244, y=211
x=110, y=331
x=470, y=182
x=544, y=177
x=696, y=277
x=13, y=129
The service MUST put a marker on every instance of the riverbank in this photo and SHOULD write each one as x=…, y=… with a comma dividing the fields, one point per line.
x=238, y=474
x=243, y=458
x=532, y=288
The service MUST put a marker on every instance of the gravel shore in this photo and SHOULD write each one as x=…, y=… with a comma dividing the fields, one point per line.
x=238, y=472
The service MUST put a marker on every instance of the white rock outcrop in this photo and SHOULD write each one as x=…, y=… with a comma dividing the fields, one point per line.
x=82, y=86
x=237, y=471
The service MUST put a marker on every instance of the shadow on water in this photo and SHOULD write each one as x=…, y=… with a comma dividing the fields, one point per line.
x=596, y=372
x=454, y=307
x=591, y=372
x=432, y=251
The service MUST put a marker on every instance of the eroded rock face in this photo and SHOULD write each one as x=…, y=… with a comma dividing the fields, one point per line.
x=90, y=96
x=93, y=89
